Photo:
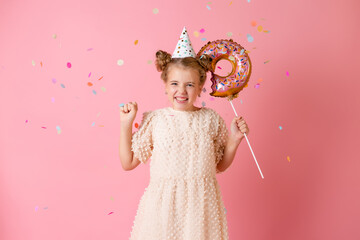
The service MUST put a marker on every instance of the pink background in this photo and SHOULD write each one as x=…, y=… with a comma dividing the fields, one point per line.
x=70, y=185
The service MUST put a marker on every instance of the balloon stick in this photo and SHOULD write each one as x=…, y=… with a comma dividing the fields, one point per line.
x=248, y=143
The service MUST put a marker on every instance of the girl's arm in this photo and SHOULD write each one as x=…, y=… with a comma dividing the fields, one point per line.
x=128, y=161
x=229, y=153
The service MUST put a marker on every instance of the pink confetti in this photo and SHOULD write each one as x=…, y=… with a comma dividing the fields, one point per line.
x=68, y=65
x=89, y=49
x=257, y=85
x=26, y=121
x=202, y=30
x=110, y=213
x=54, y=80
x=219, y=67
x=287, y=73
x=43, y=127
x=89, y=74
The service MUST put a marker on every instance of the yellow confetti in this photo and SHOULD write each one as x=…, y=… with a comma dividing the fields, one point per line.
x=33, y=62
x=155, y=11
x=247, y=51
x=196, y=33
x=229, y=34
x=260, y=28
x=288, y=158
x=54, y=36
x=149, y=62
x=230, y=2
x=136, y=42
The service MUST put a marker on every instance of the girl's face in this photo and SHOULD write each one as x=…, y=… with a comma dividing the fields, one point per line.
x=183, y=87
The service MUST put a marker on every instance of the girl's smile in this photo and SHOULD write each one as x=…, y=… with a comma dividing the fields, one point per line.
x=183, y=87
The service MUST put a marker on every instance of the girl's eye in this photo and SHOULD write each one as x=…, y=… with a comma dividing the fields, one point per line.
x=190, y=85
x=173, y=83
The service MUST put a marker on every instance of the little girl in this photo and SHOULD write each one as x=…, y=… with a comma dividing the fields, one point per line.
x=188, y=146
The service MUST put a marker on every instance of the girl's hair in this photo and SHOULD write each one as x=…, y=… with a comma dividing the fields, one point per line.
x=201, y=64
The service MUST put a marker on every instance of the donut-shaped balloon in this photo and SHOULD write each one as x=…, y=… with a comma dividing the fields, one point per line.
x=230, y=85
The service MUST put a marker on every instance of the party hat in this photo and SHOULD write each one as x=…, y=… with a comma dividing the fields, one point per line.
x=184, y=48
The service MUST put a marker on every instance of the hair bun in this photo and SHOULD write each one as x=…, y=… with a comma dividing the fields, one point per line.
x=162, y=59
x=205, y=61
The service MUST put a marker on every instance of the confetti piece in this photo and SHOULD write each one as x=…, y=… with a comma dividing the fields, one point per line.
x=260, y=28
x=203, y=39
x=149, y=62
x=232, y=58
x=89, y=74
x=52, y=99
x=202, y=30
x=260, y=80
x=257, y=85
x=242, y=51
x=155, y=11
x=203, y=104
x=120, y=62
x=280, y=127
x=41, y=64
x=212, y=98
x=68, y=65
x=121, y=105
x=43, y=127
x=253, y=23
x=287, y=73
x=229, y=34
x=36, y=208
x=266, y=31
x=219, y=67
x=100, y=78
x=250, y=38
x=196, y=33
x=54, y=36
x=230, y=3
x=112, y=198
x=288, y=158
x=53, y=80
x=58, y=129
x=94, y=92
x=267, y=61
x=136, y=42
x=89, y=84
x=241, y=101
x=136, y=125
x=110, y=213
x=33, y=62
x=103, y=89
x=89, y=49
x=209, y=3
x=62, y=85
x=208, y=7
x=93, y=124
x=26, y=121
x=248, y=1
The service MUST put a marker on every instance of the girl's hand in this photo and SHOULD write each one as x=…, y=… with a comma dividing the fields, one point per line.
x=239, y=127
x=128, y=112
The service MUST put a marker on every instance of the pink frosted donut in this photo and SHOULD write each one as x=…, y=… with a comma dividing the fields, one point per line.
x=236, y=80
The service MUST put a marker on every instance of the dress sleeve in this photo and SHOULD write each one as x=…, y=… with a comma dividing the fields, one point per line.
x=141, y=142
x=220, y=140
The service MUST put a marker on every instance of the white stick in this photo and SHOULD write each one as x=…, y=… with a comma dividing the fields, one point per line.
x=248, y=143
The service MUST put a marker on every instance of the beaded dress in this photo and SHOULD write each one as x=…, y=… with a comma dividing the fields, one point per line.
x=183, y=199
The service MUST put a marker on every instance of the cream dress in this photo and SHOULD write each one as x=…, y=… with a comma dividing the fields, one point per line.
x=183, y=199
